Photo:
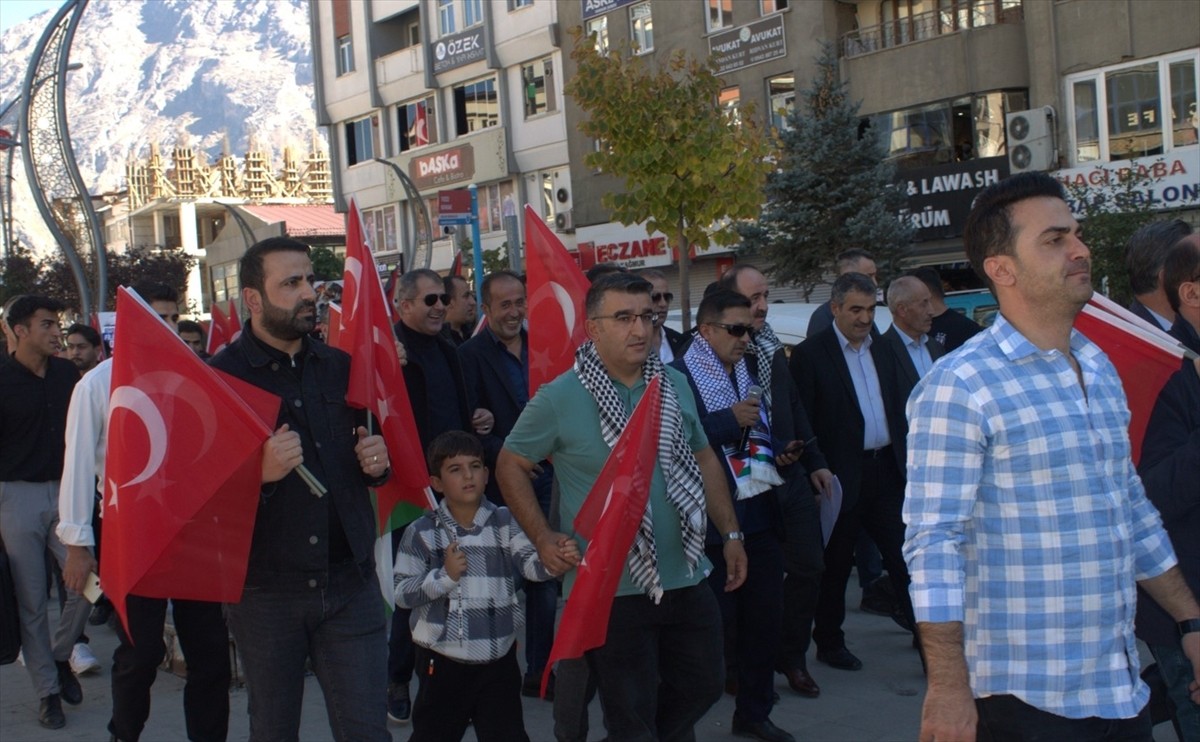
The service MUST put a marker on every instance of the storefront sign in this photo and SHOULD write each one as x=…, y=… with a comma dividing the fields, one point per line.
x=629, y=247
x=940, y=197
x=593, y=8
x=442, y=168
x=457, y=50
x=748, y=45
x=1171, y=182
x=454, y=207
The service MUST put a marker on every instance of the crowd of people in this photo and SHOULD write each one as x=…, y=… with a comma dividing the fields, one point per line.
x=984, y=476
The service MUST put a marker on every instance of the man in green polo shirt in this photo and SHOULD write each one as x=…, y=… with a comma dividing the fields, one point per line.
x=661, y=667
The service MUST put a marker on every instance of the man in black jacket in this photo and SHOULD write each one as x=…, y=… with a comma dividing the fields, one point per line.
x=311, y=591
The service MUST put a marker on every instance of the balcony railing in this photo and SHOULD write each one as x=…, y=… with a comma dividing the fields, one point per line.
x=922, y=26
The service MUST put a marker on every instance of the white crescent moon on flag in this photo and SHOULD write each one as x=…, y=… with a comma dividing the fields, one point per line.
x=567, y=305
x=354, y=268
x=137, y=402
x=189, y=393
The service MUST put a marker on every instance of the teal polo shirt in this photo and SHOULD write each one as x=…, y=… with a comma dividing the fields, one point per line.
x=563, y=422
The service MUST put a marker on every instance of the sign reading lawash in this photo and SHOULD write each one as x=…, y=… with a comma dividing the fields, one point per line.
x=748, y=45
x=456, y=50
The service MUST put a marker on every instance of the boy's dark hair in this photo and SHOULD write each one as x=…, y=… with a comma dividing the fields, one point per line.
x=714, y=305
x=989, y=231
x=87, y=332
x=21, y=311
x=152, y=291
x=1181, y=266
x=250, y=268
x=187, y=325
x=486, y=288
x=622, y=281
x=450, y=444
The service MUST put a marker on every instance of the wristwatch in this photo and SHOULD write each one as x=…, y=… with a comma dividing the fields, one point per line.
x=739, y=536
x=1188, y=626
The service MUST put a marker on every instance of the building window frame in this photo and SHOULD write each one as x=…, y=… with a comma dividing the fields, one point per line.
x=1173, y=128
x=781, y=95
x=362, y=139
x=467, y=96
x=446, y=17
x=409, y=125
x=345, y=55
x=641, y=27
x=718, y=15
x=515, y=5
x=767, y=7
x=537, y=82
x=598, y=26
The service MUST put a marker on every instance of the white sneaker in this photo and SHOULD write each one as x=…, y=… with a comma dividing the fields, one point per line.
x=21, y=657
x=83, y=661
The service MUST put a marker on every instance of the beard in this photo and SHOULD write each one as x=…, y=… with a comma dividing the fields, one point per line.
x=288, y=324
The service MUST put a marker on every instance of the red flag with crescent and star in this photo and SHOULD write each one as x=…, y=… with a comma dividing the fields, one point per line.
x=376, y=381
x=557, y=292
x=218, y=331
x=183, y=469
x=608, y=521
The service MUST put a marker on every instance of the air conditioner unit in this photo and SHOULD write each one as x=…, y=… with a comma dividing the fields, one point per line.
x=1030, y=136
x=564, y=222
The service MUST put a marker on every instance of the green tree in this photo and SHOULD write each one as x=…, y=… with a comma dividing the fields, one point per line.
x=832, y=190
x=21, y=274
x=691, y=167
x=495, y=259
x=1109, y=214
x=142, y=263
x=327, y=265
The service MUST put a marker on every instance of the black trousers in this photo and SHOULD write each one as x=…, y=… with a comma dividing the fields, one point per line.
x=804, y=562
x=1003, y=718
x=878, y=512
x=200, y=627
x=452, y=693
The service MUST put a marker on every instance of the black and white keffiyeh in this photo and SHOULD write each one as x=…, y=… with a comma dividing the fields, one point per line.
x=763, y=346
x=685, y=486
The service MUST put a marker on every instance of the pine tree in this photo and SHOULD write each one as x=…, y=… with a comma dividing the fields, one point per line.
x=832, y=190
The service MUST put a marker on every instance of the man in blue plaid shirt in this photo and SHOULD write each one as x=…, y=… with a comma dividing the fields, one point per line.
x=1027, y=526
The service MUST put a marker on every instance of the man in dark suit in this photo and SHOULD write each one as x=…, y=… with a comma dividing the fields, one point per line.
x=950, y=328
x=1181, y=279
x=913, y=351
x=847, y=382
x=1144, y=258
x=854, y=260
x=495, y=365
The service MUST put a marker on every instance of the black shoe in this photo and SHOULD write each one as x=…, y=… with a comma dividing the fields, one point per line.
x=839, y=658
x=879, y=598
x=763, y=730
x=68, y=684
x=50, y=714
x=399, y=709
x=531, y=687
x=100, y=613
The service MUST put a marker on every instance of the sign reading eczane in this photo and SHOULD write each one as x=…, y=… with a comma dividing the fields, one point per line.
x=748, y=45
x=457, y=49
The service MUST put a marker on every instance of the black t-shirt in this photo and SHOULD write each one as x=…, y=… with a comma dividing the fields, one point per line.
x=952, y=329
x=33, y=419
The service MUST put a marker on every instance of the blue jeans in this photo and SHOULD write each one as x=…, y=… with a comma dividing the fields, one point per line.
x=1004, y=718
x=661, y=667
x=1176, y=672
x=343, y=629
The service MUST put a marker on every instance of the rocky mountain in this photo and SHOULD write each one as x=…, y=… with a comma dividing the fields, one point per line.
x=162, y=71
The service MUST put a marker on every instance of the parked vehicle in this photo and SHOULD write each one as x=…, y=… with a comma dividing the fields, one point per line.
x=976, y=304
x=790, y=321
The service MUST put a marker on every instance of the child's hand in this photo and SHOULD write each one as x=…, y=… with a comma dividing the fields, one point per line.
x=456, y=561
x=567, y=551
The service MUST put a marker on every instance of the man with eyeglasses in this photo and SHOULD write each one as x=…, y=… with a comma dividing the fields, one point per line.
x=438, y=392
x=803, y=559
x=659, y=670
x=741, y=431
x=668, y=342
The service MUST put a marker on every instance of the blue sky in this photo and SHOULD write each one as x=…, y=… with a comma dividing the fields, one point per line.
x=13, y=12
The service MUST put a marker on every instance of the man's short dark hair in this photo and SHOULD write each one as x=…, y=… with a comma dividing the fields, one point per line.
x=250, y=269
x=450, y=444
x=87, y=332
x=848, y=259
x=729, y=278
x=21, y=311
x=929, y=276
x=489, y=279
x=622, y=281
x=406, y=287
x=1147, y=251
x=448, y=283
x=603, y=269
x=989, y=230
x=187, y=325
x=714, y=305
x=848, y=282
x=1181, y=266
x=152, y=291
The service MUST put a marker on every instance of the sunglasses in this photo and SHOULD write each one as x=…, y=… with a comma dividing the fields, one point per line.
x=736, y=331
x=666, y=296
x=431, y=299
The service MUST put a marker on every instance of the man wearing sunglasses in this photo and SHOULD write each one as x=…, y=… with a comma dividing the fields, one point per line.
x=669, y=343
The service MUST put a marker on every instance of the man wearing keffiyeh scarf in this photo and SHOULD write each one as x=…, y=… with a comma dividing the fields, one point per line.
x=660, y=668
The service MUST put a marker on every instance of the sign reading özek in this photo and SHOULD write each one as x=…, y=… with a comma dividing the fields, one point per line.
x=456, y=50
x=748, y=45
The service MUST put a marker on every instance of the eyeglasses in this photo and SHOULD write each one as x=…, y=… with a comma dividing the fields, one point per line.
x=431, y=299
x=626, y=320
x=666, y=296
x=736, y=331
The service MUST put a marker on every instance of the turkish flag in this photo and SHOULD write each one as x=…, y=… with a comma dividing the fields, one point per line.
x=609, y=520
x=557, y=292
x=418, y=134
x=183, y=467
x=218, y=331
x=1143, y=361
x=333, y=326
x=234, y=322
x=376, y=381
